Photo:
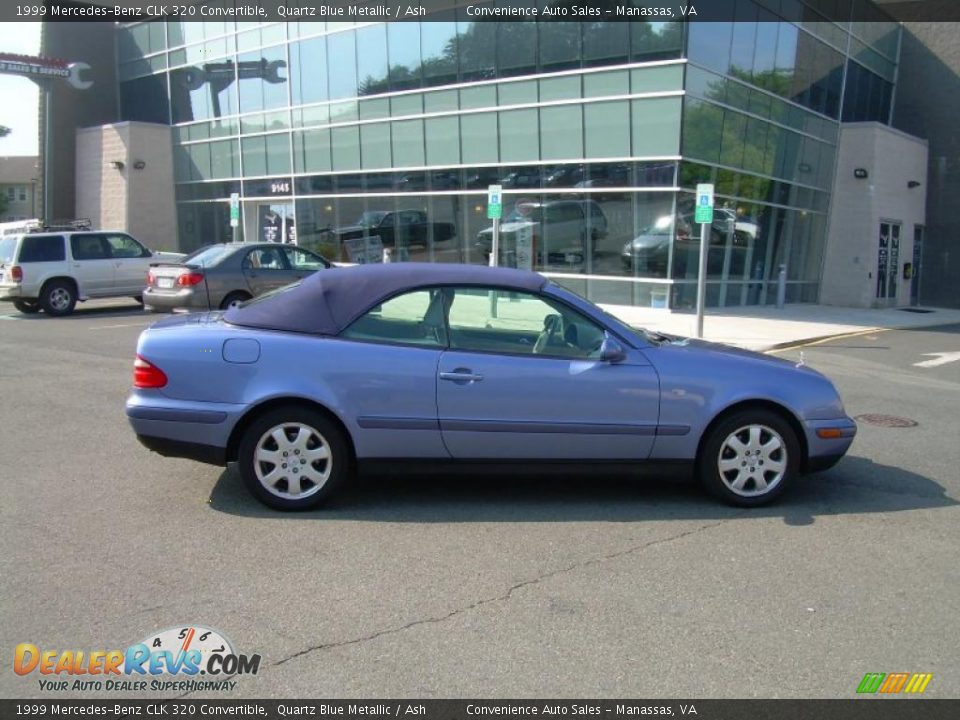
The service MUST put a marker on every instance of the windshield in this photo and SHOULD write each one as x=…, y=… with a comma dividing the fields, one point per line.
x=208, y=256
x=8, y=246
x=370, y=219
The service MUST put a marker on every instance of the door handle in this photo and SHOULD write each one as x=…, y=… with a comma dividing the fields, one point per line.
x=461, y=375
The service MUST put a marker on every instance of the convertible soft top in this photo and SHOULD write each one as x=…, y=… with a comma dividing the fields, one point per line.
x=329, y=300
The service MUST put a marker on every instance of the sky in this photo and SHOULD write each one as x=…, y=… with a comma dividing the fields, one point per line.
x=19, y=97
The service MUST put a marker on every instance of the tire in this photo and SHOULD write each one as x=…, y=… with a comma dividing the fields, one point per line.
x=749, y=458
x=27, y=307
x=270, y=482
x=234, y=298
x=58, y=298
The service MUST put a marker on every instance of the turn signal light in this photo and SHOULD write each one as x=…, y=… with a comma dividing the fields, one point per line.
x=151, y=278
x=190, y=278
x=829, y=433
x=147, y=375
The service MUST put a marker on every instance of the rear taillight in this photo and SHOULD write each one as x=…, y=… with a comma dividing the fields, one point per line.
x=16, y=273
x=189, y=278
x=151, y=278
x=147, y=375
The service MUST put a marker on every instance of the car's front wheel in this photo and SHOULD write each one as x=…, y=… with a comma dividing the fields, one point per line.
x=27, y=307
x=749, y=458
x=293, y=458
x=58, y=298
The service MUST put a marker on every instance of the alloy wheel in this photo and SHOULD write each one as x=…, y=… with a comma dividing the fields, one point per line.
x=752, y=460
x=292, y=460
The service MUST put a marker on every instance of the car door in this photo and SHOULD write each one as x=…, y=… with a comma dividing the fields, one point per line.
x=389, y=378
x=265, y=268
x=92, y=265
x=131, y=261
x=523, y=380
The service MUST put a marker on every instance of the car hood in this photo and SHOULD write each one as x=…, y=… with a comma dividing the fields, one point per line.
x=731, y=353
x=648, y=242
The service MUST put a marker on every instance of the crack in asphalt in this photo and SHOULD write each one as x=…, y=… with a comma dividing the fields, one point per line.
x=503, y=596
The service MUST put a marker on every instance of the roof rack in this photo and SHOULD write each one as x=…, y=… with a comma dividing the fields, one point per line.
x=26, y=227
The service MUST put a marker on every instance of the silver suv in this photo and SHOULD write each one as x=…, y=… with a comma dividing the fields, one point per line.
x=51, y=270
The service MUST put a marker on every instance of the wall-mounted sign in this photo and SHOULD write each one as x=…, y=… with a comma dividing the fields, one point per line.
x=42, y=68
x=860, y=173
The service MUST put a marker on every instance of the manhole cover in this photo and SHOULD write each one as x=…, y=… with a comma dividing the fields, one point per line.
x=890, y=421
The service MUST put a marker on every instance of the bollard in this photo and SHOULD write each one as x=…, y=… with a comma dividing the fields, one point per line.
x=387, y=255
x=782, y=287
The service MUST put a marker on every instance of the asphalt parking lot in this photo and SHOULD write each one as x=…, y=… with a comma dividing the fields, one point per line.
x=483, y=586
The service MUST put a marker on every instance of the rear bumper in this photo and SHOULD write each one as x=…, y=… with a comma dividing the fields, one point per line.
x=11, y=292
x=189, y=298
x=209, y=454
x=828, y=441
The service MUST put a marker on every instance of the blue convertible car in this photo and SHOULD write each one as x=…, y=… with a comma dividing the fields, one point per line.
x=458, y=363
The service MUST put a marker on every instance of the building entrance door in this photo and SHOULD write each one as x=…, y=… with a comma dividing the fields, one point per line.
x=275, y=223
x=888, y=262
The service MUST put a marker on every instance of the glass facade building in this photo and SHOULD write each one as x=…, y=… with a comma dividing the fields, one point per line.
x=336, y=133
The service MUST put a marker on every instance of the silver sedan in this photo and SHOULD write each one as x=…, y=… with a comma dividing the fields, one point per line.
x=223, y=276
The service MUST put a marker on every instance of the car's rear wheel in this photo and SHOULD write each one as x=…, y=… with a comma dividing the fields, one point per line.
x=27, y=307
x=233, y=300
x=58, y=298
x=293, y=458
x=749, y=458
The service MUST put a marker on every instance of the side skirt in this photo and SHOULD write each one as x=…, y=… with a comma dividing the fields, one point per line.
x=404, y=466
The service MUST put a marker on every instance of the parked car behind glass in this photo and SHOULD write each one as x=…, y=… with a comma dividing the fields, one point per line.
x=223, y=276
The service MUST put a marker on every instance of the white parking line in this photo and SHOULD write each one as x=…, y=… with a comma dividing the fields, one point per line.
x=940, y=359
x=111, y=327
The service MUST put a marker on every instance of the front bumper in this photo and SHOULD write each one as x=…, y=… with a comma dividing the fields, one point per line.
x=828, y=441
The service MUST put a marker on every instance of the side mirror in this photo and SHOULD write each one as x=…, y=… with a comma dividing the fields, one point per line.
x=611, y=351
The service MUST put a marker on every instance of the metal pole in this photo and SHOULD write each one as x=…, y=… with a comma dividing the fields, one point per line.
x=47, y=194
x=702, y=275
x=495, y=250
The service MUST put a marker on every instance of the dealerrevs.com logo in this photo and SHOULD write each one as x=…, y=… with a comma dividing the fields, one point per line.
x=179, y=659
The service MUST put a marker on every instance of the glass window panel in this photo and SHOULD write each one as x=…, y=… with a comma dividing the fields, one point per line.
x=278, y=153
x=401, y=320
x=744, y=40
x=517, y=93
x=660, y=40
x=308, y=71
x=372, y=68
x=344, y=112
x=312, y=151
x=224, y=159
x=709, y=43
x=559, y=45
x=406, y=105
x=606, y=83
x=440, y=101
x=438, y=48
x=561, y=132
x=477, y=44
x=478, y=137
x=478, y=97
x=734, y=133
x=561, y=88
x=607, y=129
x=342, y=70
x=656, y=126
x=145, y=99
x=519, y=136
x=346, y=148
x=657, y=79
x=606, y=43
x=408, y=148
x=765, y=55
x=375, y=145
x=260, y=87
x=374, y=109
x=197, y=95
x=755, y=147
x=786, y=60
x=317, y=115
x=254, y=151
x=516, y=48
x=443, y=140
x=702, y=130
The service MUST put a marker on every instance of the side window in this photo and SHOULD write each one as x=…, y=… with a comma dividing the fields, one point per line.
x=303, y=260
x=387, y=220
x=124, y=246
x=264, y=259
x=42, y=248
x=500, y=321
x=89, y=246
x=414, y=318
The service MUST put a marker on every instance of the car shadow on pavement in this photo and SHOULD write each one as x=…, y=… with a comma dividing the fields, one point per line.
x=112, y=311
x=857, y=485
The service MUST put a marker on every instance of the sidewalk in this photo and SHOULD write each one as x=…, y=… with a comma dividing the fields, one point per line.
x=767, y=328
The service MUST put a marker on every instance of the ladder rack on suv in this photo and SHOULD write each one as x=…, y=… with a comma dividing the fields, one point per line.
x=27, y=227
